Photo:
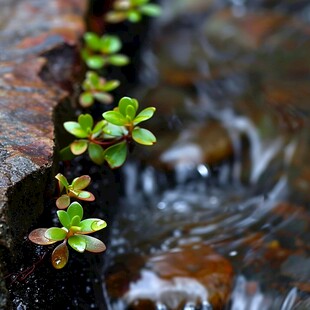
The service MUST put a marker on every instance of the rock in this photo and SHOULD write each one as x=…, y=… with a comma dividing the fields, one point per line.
x=38, y=57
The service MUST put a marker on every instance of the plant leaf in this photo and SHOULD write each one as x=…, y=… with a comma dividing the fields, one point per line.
x=118, y=60
x=130, y=113
x=86, y=99
x=124, y=103
x=93, y=78
x=60, y=256
x=63, y=202
x=62, y=180
x=78, y=243
x=92, y=41
x=55, y=233
x=78, y=147
x=90, y=225
x=114, y=130
x=144, y=115
x=103, y=97
x=150, y=9
x=96, y=153
x=98, y=128
x=95, y=62
x=37, y=236
x=115, y=17
x=75, y=129
x=94, y=245
x=86, y=121
x=110, y=44
x=143, y=136
x=134, y=16
x=81, y=182
x=116, y=154
x=75, y=209
x=115, y=118
x=109, y=85
x=66, y=154
x=86, y=196
x=64, y=218
x=75, y=220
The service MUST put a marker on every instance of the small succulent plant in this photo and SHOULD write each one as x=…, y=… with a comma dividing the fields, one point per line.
x=131, y=10
x=109, y=138
x=74, y=232
x=102, y=51
x=96, y=88
x=73, y=190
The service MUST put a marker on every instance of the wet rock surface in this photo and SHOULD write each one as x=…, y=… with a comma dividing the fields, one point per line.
x=38, y=61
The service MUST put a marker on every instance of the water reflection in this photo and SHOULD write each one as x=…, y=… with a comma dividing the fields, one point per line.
x=216, y=215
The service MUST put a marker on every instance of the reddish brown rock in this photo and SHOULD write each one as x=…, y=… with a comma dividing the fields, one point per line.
x=39, y=50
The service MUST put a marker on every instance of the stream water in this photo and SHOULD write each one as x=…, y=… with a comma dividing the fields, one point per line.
x=216, y=215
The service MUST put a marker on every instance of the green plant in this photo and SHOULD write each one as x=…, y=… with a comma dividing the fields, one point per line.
x=102, y=51
x=74, y=232
x=74, y=190
x=96, y=88
x=131, y=10
x=108, y=140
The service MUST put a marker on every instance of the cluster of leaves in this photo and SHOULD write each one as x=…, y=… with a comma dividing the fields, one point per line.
x=108, y=139
x=131, y=10
x=102, y=51
x=74, y=190
x=96, y=88
x=74, y=232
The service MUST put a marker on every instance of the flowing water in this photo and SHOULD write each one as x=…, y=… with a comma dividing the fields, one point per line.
x=216, y=215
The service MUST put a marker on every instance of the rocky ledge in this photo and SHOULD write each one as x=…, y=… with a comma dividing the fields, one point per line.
x=38, y=62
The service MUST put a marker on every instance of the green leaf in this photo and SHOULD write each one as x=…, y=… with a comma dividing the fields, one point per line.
x=81, y=182
x=150, y=10
x=66, y=154
x=96, y=153
x=86, y=121
x=37, y=236
x=109, y=85
x=64, y=218
x=115, y=118
x=94, y=245
x=125, y=102
x=144, y=115
x=86, y=99
x=138, y=2
x=60, y=256
x=114, y=130
x=75, y=209
x=134, y=16
x=78, y=243
x=78, y=147
x=115, y=17
x=98, y=128
x=75, y=220
x=75, y=129
x=62, y=180
x=110, y=44
x=92, y=41
x=116, y=154
x=90, y=225
x=93, y=78
x=143, y=136
x=95, y=62
x=86, y=196
x=63, y=202
x=103, y=97
x=55, y=233
x=118, y=60
x=130, y=113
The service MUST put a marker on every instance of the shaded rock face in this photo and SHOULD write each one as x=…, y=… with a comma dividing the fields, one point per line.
x=38, y=55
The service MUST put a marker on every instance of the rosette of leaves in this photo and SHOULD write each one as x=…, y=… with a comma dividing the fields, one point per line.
x=74, y=232
x=125, y=116
x=96, y=88
x=109, y=142
x=73, y=190
x=131, y=10
x=89, y=137
x=103, y=51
